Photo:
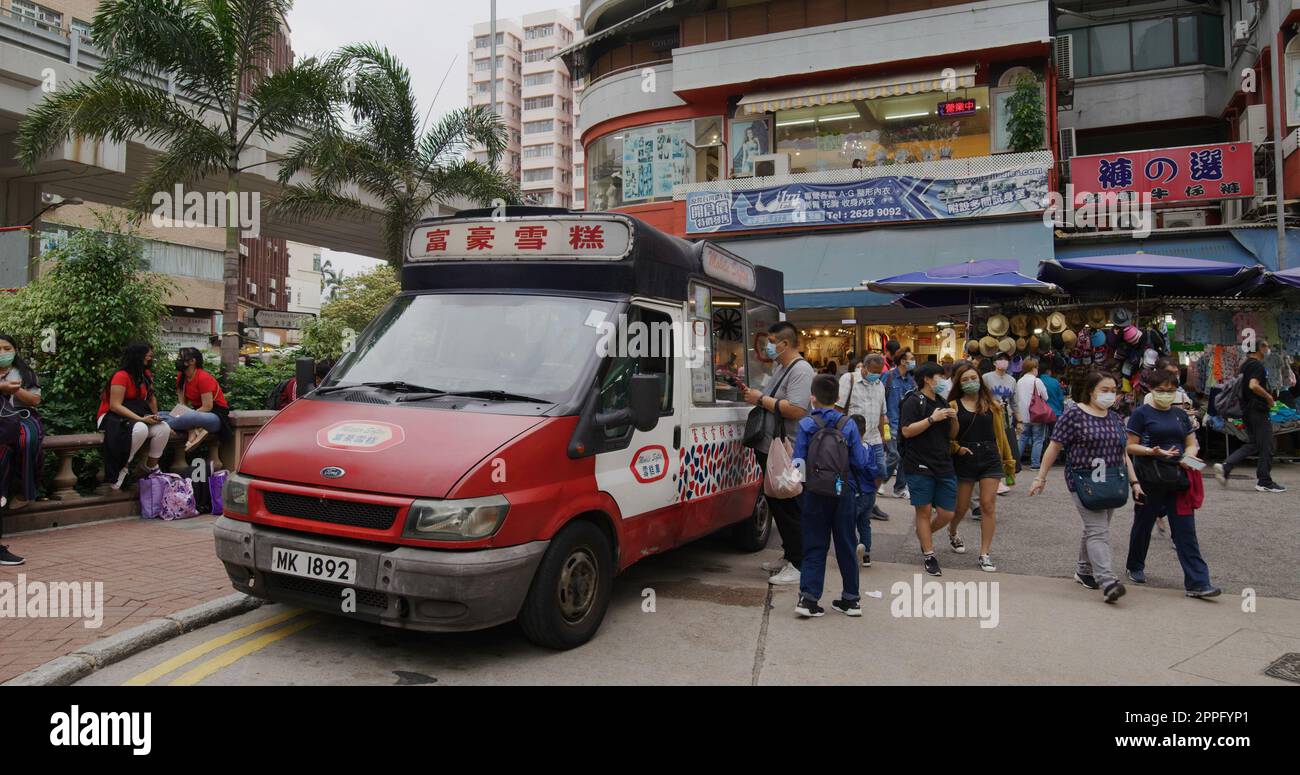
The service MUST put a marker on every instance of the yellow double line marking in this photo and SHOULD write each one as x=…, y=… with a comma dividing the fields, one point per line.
x=225, y=659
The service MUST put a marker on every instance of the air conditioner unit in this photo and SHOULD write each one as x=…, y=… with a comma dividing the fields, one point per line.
x=769, y=164
x=1063, y=55
x=1241, y=31
x=1182, y=219
x=1252, y=127
x=1066, y=137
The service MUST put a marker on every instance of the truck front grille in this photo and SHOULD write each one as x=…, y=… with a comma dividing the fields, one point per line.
x=366, y=598
x=350, y=513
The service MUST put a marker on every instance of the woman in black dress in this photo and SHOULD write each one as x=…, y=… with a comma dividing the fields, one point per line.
x=981, y=455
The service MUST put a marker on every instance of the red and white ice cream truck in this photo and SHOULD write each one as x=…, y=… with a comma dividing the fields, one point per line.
x=552, y=397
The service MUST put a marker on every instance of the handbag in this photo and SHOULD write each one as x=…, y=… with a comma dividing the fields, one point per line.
x=1160, y=476
x=760, y=425
x=1039, y=411
x=782, y=480
x=1110, y=493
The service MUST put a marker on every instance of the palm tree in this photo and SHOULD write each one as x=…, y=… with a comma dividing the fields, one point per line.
x=388, y=155
x=217, y=53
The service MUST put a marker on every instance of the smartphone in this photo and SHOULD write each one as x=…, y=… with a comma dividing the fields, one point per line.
x=1193, y=463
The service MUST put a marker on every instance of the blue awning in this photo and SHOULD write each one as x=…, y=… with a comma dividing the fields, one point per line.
x=829, y=269
x=1165, y=275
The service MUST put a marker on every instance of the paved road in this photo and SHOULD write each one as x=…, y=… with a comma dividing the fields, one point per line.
x=716, y=621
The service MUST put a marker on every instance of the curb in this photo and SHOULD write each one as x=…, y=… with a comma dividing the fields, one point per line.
x=68, y=669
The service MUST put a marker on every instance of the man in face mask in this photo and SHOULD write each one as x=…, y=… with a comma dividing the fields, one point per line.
x=1256, y=402
x=862, y=395
x=898, y=383
x=787, y=393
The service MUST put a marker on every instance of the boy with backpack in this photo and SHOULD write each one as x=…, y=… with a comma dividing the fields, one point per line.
x=837, y=467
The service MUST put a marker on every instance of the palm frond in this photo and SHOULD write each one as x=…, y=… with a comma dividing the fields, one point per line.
x=299, y=203
x=468, y=179
x=302, y=95
x=163, y=38
x=187, y=159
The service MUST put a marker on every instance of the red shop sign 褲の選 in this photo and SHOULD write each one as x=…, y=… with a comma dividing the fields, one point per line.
x=1189, y=173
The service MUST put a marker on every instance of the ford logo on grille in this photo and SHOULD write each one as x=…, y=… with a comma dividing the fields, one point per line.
x=332, y=472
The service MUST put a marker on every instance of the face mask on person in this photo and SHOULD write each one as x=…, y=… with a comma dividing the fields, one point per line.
x=970, y=386
x=7, y=359
x=1001, y=364
x=1104, y=400
x=1163, y=399
x=872, y=377
x=941, y=386
x=769, y=349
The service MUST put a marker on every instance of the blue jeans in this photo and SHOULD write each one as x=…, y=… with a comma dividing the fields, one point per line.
x=192, y=419
x=1036, y=434
x=827, y=519
x=863, y=504
x=1196, y=574
x=892, y=459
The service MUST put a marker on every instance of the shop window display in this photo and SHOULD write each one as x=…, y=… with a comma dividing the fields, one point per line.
x=880, y=132
x=642, y=164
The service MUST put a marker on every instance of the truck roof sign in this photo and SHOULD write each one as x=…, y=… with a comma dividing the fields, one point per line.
x=541, y=238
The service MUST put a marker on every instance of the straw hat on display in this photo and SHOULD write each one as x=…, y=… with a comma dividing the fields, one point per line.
x=1096, y=317
x=1121, y=317
x=1007, y=345
x=1056, y=323
x=1068, y=338
x=1020, y=325
x=988, y=346
x=998, y=325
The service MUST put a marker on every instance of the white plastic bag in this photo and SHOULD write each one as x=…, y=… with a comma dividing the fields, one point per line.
x=783, y=480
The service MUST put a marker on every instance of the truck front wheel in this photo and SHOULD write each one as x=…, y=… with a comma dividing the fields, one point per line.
x=570, y=592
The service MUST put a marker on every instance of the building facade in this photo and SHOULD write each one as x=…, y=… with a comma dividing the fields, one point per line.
x=535, y=99
x=192, y=257
x=843, y=141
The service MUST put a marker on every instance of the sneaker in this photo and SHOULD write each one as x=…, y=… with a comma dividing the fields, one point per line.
x=808, y=608
x=1113, y=591
x=932, y=565
x=847, y=607
x=1137, y=576
x=958, y=545
x=976, y=513
x=1270, y=487
x=1221, y=474
x=876, y=513
x=1087, y=579
x=787, y=576
x=1160, y=525
x=902, y=494
x=121, y=477
x=1208, y=591
x=866, y=560
x=986, y=563
x=773, y=566
x=9, y=558
x=1003, y=487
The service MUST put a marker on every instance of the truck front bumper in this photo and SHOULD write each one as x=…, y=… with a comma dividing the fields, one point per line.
x=417, y=589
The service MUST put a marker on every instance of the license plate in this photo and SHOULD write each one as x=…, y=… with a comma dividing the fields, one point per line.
x=314, y=566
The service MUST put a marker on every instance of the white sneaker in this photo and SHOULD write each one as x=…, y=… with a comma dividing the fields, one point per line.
x=1003, y=488
x=788, y=576
x=772, y=566
x=904, y=495
x=1221, y=474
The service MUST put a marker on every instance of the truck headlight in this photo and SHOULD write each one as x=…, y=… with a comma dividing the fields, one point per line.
x=458, y=520
x=234, y=494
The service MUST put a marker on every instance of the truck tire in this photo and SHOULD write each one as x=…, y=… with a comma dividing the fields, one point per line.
x=570, y=592
x=752, y=534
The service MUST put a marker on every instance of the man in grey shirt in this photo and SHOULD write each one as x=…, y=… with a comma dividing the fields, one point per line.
x=787, y=392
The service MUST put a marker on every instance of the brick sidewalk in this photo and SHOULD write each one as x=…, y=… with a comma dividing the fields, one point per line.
x=149, y=569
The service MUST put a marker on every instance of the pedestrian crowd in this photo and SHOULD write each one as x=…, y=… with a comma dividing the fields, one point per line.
x=950, y=436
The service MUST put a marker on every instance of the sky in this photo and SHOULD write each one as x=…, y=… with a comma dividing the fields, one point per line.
x=430, y=36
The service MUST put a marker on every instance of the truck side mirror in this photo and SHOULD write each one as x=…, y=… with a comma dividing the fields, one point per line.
x=643, y=400
x=304, y=372
x=642, y=410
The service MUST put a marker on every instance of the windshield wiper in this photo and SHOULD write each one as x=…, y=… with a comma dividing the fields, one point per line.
x=490, y=395
x=397, y=386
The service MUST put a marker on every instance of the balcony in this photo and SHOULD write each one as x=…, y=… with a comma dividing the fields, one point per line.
x=623, y=93
x=1148, y=96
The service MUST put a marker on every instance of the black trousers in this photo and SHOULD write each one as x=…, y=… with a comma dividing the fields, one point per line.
x=1259, y=432
x=786, y=512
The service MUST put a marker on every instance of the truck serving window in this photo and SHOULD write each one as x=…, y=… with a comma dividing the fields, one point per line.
x=532, y=345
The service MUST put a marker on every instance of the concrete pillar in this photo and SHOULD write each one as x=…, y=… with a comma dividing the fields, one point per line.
x=22, y=202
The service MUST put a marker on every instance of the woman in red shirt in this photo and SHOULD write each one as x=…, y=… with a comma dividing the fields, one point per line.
x=200, y=392
x=128, y=415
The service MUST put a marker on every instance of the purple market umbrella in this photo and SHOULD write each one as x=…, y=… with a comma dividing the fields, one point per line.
x=960, y=283
x=1160, y=275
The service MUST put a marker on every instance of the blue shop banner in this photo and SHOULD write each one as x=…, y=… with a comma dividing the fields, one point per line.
x=875, y=200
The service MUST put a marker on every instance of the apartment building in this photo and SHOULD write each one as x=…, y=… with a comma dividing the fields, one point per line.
x=536, y=100
x=193, y=257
